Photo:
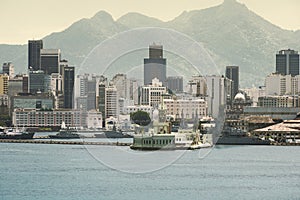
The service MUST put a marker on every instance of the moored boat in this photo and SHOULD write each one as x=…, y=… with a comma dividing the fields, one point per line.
x=15, y=134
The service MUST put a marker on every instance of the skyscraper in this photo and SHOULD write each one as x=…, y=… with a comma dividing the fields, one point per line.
x=287, y=62
x=8, y=68
x=38, y=81
x=155, y=65
x=50, y=61
x=68, y=86
x=34, y=47
x=175, y=83
x=232, y=73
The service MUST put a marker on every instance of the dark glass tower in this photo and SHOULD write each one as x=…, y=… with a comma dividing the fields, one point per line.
x=287, y=62
x=232, y=73
x=69, y=79
x=155, y=65
x=50, y=61
x=34, y=47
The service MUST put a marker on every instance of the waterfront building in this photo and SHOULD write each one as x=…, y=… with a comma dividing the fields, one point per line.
x=94, y=119
x=175, y=83
x=188, y=108
x=8, y=68
x=232, y=73
x=54, y=118
x=3, y=84
x=50, y=60
x=34, y=48
x=68, y=86
x=155, y=65
x=287, y=131
x=152, y=94
x=287, y=62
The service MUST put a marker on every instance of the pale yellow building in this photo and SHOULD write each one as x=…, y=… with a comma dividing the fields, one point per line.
x=3, y=84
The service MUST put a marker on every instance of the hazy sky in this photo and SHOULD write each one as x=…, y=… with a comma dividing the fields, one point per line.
x=21, y=20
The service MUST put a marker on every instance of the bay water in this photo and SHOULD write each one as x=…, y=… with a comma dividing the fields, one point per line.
x=43, y=171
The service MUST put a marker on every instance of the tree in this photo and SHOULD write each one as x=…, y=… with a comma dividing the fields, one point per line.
x=141, y=118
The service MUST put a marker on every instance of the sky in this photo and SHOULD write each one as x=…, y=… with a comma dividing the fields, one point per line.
x=21, y=20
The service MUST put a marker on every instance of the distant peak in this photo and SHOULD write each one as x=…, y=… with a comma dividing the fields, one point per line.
x=229, y=1
x=102, y=15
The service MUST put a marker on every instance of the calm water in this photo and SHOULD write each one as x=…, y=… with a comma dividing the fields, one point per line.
x=39, y=171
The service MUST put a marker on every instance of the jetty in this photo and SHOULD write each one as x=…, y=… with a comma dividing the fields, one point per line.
x=34, y=141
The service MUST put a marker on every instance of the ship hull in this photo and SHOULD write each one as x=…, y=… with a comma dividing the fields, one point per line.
x=112, y=134
x=231, y=140
x=23, y=136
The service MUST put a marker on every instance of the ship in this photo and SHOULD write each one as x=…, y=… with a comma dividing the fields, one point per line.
x=114, y=133
x=65, y=133
x=233, y=136
x=15, y=134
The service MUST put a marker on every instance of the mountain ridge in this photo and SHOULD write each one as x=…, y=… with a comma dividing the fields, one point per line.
x=233, y=34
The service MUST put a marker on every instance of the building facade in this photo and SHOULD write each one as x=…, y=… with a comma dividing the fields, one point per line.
x=232, y=73
x=50, y=60
x=287, y=62
x=188, y=108
x=175, y=83
x=68, y=86
x=34, y=48
x=155, y=65
x=151, y=95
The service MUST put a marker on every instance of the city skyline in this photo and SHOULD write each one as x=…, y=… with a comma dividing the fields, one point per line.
x=281, y=13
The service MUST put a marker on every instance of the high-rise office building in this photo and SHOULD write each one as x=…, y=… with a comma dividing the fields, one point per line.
x=34, y=47
x=39, y=82
x=155, y=65
x=232, y=73
x=287, y=62
x=175, y=83
x=8, y=68
x=111, y=101
x=50, y=61
x=3, y=84
x=68, y=86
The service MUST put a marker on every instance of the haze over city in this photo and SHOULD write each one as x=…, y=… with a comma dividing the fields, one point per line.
x=29, y=20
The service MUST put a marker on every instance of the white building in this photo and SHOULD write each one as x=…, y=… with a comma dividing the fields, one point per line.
x=135, y=108
x=152, y=94
x=42, y=118
x=94, y=119
x=188, y=108
x=111, y=102
x=277, y=84
x=218, y=90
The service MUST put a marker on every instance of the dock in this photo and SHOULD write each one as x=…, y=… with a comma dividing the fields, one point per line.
x=49, y=141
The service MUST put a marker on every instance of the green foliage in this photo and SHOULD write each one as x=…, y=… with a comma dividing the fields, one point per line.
x=141, y=118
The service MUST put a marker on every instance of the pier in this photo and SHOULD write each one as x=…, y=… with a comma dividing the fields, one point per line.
x=65, y=142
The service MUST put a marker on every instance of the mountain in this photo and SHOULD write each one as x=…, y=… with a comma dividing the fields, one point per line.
x=230, y=32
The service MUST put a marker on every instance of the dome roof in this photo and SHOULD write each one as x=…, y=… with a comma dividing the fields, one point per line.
x=239, y=96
